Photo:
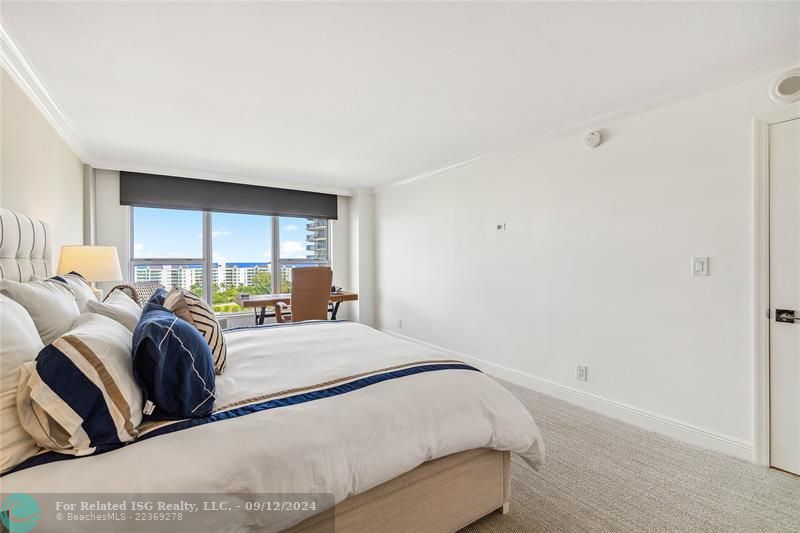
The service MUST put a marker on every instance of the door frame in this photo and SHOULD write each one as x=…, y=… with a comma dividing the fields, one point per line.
x=761, y=289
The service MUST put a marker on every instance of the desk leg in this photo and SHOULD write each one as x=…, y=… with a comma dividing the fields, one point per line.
x=261, y=317
x=335, y=310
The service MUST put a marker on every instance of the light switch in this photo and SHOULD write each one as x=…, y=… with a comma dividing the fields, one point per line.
x=699, y=266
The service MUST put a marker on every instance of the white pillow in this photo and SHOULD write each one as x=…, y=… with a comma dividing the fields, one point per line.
x=118, y=306
x=81, y=288
x=19, y=343
x=50, y=303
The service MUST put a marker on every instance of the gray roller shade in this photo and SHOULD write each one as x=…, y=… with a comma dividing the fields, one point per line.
x=152, y=190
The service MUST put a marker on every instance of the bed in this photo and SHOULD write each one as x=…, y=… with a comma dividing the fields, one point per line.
x=402, y=436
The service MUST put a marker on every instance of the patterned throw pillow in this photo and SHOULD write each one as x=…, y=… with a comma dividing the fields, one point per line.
x=173, y=366
x=198, y=313
x=158, y=297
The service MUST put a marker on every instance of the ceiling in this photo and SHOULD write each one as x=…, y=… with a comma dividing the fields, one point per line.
x=356, y=94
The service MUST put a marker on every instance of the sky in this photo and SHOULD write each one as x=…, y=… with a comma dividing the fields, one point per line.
x=170, y=233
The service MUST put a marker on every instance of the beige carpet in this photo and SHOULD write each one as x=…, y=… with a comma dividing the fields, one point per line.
x=604, y=475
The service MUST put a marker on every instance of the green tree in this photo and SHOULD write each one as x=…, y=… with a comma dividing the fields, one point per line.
x=286, y=284
x=197, y=289
x=223, y=298
x=261, y=284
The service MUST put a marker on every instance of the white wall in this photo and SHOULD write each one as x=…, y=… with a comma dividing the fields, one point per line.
x=594, y=266
x=112, y=220
x=362, y=256
x=40, y=176
x=340, y=254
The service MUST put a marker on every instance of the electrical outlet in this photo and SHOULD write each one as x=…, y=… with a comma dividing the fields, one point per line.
x=582, y=373
x=399, y=324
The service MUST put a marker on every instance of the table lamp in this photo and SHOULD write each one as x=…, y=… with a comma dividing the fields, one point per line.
x=94, y=263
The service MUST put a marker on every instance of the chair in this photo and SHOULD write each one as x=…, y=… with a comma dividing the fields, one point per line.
x=311, y=291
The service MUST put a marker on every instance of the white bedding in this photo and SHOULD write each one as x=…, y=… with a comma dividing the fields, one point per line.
x=343, y=445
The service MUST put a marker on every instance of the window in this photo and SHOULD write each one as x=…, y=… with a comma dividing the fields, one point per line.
x=167, y=247
x=221, y=255
x=167, y=233
x=241, y=258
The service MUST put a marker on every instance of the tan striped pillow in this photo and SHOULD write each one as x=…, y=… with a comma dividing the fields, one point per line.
x=198, y=313
x=80, y=393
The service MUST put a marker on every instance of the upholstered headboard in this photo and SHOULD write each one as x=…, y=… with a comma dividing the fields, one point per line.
x=25, y=247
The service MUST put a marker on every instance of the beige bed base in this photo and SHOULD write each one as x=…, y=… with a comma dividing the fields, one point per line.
x=443, y=495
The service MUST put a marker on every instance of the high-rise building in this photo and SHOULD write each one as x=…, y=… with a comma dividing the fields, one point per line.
x=317, y=239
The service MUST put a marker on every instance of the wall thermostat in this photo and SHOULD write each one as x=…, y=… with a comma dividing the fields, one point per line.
x=593, y=139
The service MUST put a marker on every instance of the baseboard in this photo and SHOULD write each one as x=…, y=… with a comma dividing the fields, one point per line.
x=627, y=413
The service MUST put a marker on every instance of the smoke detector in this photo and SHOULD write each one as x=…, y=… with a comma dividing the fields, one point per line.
x=593, y=139
x=786, y=89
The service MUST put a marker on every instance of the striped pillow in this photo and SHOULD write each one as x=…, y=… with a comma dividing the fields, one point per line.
x=198, y=313
x=80, y=394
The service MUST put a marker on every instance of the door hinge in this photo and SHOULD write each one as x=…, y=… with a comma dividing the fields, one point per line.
x=769, y=314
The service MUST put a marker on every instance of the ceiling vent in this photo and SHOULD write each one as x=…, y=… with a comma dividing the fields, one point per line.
x=787, y=89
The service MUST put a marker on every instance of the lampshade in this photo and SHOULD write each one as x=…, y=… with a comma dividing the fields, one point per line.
x=95, y=263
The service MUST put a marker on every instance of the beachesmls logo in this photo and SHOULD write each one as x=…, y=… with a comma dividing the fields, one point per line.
x=19, y=513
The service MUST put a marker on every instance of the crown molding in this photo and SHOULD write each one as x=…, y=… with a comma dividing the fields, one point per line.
x=14, y=62
x=784, y=56
x=16, y=65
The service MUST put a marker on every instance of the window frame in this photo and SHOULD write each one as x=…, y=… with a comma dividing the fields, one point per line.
x=276, y=262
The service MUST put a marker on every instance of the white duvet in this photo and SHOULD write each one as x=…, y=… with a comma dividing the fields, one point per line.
x=342, y=445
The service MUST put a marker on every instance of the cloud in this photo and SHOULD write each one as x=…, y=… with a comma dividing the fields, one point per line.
x=140, y=253
x=219, y=258
x=293, y=250
x=291, y=227
x=215, y=234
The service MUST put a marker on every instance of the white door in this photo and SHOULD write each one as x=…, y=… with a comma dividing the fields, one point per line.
x=784, y=164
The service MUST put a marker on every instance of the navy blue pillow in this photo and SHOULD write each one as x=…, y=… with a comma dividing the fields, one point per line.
x=172, y=364
x=158, y=297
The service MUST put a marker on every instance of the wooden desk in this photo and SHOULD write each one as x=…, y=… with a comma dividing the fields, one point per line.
x=262, y=301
